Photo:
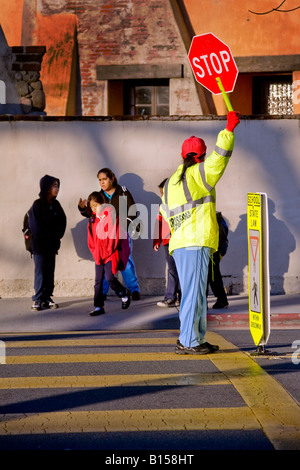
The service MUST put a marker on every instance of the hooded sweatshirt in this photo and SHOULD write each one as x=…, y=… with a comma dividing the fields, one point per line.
x=47, y=220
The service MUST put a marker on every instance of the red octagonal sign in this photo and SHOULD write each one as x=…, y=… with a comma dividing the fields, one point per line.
x=211, y=58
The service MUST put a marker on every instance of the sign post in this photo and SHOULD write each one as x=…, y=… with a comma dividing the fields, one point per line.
x=213, y=65
x=258, y=257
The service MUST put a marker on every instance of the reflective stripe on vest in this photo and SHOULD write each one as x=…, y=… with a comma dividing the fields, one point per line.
x=222, y=153
x=190, y=204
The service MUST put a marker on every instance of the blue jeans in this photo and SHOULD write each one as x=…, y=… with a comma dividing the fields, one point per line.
x=192, y=267
x=129, y=275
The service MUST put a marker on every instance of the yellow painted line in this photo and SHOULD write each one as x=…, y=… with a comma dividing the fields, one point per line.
x=129, y=420
x=114, y=381
x=270, y=403
x=90, y=342
x=85, y=333
x=269, y=406
x=114, y=357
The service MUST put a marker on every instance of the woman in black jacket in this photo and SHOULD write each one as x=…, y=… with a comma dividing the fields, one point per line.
x=47, y=222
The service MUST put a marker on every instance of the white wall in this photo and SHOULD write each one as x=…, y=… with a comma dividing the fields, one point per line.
x=142, y=153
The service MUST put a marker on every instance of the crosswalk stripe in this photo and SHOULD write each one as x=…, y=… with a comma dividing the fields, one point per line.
x=130, y=420
x=113, y=380
x=90, y=342
x=268, y=405
x=105, y=357
x=88, y=333
x=273, y=406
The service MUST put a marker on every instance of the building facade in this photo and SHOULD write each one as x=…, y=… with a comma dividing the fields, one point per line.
x=112, y=57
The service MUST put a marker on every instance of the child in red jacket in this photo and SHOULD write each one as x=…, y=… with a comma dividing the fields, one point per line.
x=110, y=249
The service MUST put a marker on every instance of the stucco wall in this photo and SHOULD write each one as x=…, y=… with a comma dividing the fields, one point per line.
x=142, y=153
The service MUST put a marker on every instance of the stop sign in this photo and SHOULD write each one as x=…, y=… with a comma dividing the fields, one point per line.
x=211, y=58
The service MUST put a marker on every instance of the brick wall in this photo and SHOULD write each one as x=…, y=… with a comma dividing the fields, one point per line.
x=26, y=63
x=27, y=58
x=117, y=32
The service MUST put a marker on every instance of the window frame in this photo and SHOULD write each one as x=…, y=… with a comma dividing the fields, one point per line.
x=130, y=104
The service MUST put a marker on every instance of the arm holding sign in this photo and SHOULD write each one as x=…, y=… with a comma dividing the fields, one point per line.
x=232, y=120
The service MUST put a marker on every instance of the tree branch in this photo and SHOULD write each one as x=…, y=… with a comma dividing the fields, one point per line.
x=275, y=9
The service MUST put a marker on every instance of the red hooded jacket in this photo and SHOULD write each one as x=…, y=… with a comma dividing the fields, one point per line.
x=105, y=242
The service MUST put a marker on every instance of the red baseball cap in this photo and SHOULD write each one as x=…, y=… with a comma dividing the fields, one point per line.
x=195, y=145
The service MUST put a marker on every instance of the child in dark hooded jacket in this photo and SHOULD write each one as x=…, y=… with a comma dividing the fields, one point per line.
x=47, y=222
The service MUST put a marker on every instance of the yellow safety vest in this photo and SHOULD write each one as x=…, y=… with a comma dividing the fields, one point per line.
x=189, y=207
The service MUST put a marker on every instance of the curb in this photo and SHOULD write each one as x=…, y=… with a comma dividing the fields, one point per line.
x=241, y=321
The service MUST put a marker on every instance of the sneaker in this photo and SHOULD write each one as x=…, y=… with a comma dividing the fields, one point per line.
x=212, y=347
x=220, y=304
x=126, y=300
x=136, y=295
x=166, y=303
x=36, y=306
x=97, y=311
x=205, y=348
x=50, y=304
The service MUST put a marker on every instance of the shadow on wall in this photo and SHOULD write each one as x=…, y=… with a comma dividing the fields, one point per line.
x=148, y=264
x=281, y=244
x=79, y=234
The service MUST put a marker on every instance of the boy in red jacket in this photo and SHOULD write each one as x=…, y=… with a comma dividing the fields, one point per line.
x=110, y=249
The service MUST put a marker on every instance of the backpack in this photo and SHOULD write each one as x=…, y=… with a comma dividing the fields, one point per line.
x=27, y=233
x=223, y=234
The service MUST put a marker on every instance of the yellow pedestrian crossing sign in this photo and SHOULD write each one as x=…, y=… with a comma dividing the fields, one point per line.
x=258, y=261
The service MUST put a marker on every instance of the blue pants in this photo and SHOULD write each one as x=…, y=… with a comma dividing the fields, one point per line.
x=129, y=275
x=44, y=266
x=192, y=267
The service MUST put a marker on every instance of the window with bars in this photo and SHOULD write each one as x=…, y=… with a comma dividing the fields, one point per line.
x=145, y=98
x=273, y=95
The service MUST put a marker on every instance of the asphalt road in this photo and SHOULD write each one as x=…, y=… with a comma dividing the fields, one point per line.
x=114, y=384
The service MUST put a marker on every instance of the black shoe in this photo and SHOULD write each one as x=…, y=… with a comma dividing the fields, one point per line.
x=126, y=300
x=212, y=347
x=97, y=311
x=135, y=295
x=204, y=348
x=50, y=304
x=166, y=303
x=220, y=304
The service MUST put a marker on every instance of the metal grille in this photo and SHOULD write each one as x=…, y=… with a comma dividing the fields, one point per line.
x=272, y=94
x=280, y=98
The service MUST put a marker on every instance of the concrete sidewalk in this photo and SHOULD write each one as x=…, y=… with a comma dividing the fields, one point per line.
x=73, y=315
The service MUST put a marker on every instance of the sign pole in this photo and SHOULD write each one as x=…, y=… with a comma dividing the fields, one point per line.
x=258, y=256
x=226, y=99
